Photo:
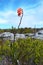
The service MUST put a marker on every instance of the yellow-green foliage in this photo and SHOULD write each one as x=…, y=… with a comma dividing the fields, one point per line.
x=24, y=50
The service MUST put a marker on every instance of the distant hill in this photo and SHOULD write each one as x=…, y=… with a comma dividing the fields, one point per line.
x=21, y=30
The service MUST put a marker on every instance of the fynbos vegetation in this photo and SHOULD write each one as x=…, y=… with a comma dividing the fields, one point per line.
x=22, y=52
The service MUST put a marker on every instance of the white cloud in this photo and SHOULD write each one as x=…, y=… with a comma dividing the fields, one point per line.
x=3, y=21
x=31, y=17
x=5, y=16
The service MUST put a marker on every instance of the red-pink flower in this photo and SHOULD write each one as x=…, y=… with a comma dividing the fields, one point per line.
x=19, y=11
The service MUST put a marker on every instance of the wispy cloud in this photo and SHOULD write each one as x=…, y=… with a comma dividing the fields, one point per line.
x=33, y=14
x=9, y=18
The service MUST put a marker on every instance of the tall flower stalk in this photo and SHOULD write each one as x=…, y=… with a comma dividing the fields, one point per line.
x=20, y=13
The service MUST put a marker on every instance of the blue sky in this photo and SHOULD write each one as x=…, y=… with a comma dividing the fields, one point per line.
x=33, y=13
